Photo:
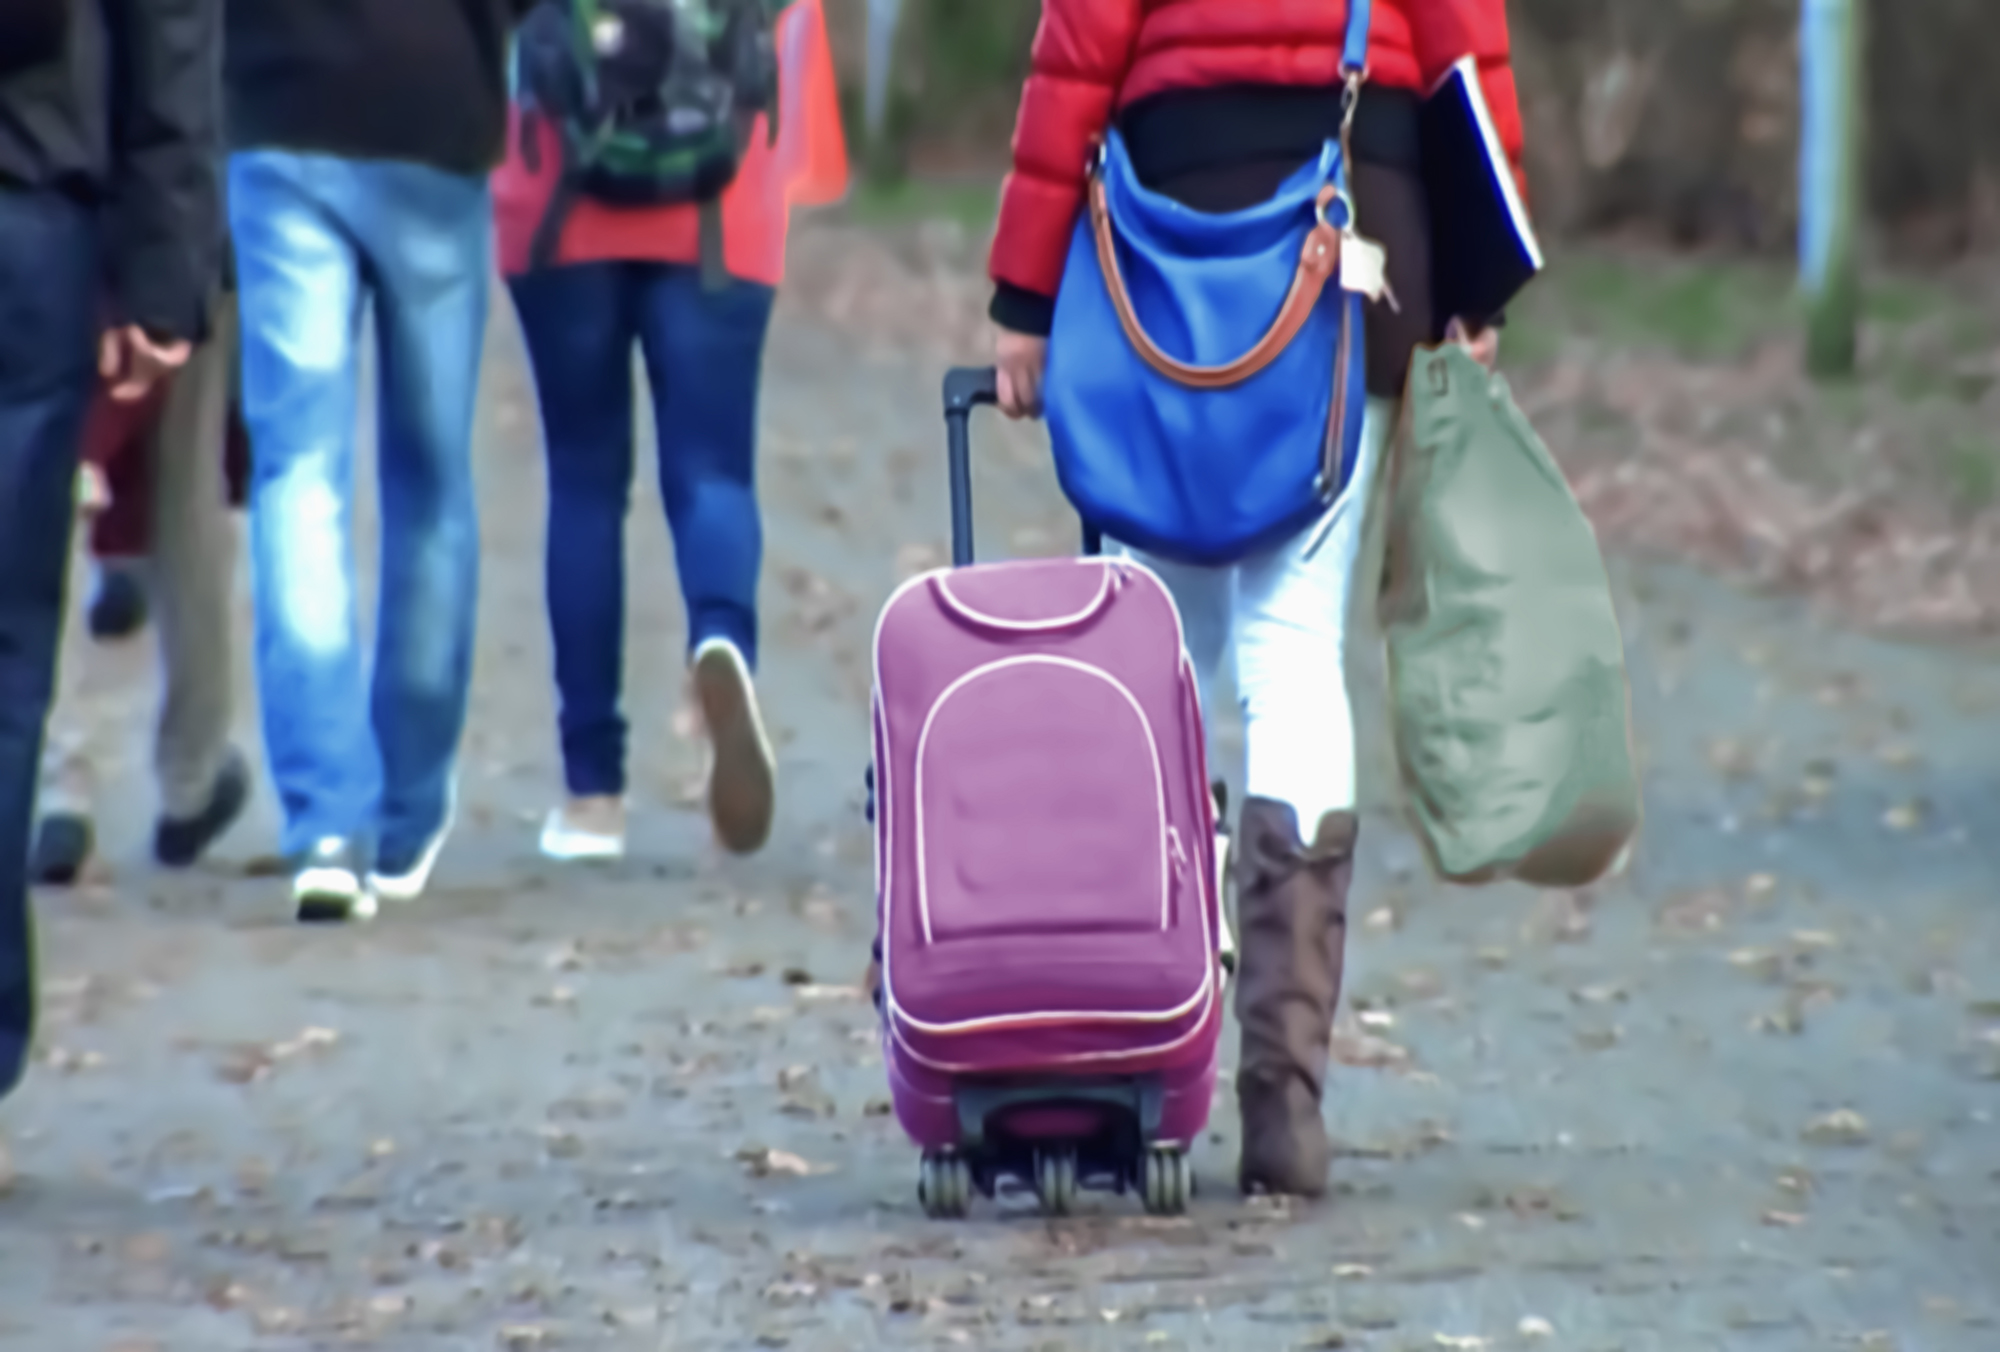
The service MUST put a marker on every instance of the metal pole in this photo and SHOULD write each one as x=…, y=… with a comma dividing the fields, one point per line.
x=884, y=17
x=1830, y=182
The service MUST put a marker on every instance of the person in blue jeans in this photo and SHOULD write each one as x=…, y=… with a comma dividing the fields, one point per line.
x=361, y=135
x=618, y=277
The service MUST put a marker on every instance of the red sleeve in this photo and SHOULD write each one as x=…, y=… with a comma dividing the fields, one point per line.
x=1082, y=51
x=1444, y=31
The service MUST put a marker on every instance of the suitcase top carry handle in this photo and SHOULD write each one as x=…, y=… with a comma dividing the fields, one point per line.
x=966, y=388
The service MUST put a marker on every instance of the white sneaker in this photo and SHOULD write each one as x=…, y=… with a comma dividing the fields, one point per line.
x=743, y=775
x=585, y=829
x=410, y=885
x=328, y=889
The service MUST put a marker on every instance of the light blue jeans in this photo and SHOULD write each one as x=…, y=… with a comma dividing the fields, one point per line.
x=354, y=753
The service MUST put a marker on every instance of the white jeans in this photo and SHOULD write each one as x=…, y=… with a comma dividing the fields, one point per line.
x=1281, y=618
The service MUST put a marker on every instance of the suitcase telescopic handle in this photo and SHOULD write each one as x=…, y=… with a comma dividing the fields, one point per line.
x=966, y=388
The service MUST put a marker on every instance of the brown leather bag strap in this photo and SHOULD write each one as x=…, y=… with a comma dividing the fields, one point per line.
x=1319, y=258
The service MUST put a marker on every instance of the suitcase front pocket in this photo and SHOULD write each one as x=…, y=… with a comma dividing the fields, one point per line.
x=1040, y=807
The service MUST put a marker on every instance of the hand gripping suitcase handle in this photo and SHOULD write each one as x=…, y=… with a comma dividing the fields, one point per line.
x=965, y=388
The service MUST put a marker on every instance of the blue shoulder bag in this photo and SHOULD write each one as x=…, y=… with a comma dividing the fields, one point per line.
x=1205, y=383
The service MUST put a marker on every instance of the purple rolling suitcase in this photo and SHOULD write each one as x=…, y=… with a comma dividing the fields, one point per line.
x=1045, y=871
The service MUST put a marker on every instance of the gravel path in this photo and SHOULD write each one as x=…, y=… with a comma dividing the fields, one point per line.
x=1745, y=1099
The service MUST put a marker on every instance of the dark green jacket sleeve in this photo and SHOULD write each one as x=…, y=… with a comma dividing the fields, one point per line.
x=31, y=33
x=164, y=228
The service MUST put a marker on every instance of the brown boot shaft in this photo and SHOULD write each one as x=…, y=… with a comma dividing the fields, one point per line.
x=1292, y=912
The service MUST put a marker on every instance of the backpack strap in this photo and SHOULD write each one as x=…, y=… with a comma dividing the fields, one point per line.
x=562, y=198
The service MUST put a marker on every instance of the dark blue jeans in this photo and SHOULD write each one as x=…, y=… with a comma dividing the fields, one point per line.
x=48, y=296
x=704, y=353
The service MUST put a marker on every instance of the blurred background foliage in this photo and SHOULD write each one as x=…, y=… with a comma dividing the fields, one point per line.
x=1677, y=119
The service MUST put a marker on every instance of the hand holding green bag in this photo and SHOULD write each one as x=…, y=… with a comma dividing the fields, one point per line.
x=1507, y=685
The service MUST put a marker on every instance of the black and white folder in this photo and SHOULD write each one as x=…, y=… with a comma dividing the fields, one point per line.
x=1483, y=246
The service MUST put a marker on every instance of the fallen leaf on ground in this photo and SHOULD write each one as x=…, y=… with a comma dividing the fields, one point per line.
x=761, y=1162
x=65, y=1061
x=1731, y=757
x=1695, y=912
x=813, y=994
x=1783, y=1219
x=277, y=1320
x=305, y=1041
x=1899, y=756
x=1843, y=1127
x=1466, y=1342
x=1353, y=1047
x=1562, y=917
x=1534, y=1326
x=1905, y=816
x=1786, y=1021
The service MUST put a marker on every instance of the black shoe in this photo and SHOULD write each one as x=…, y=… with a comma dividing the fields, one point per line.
x=331, y=887
x=62, y=847
x=119, y=609
x=179, y=842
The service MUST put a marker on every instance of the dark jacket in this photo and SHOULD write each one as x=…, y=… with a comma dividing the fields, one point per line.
x=423, y=81
x=31, y=32
x=127, y=118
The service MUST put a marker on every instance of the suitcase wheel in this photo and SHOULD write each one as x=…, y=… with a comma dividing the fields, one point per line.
x=1055, y=1180
x=944, y=1186
x=1165, y=1180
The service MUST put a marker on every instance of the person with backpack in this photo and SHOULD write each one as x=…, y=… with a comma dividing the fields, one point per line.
x=654, y=214
x=361, y=135
x=1192, y=117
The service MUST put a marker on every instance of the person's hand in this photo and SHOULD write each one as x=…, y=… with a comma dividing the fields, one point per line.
x=126, y=354
x=93, y=491
x=1483, y=344
x=1020, y=359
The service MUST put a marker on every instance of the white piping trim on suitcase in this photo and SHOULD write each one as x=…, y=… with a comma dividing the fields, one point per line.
x=977, y=616
x=887, y=861
x=1071, y=664
x=1208, y=994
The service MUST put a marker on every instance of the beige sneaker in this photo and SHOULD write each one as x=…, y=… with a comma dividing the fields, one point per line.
x=743, y=772
x=585, y=828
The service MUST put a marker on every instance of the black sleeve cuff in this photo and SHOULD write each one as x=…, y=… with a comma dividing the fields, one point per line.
x=1022, y=310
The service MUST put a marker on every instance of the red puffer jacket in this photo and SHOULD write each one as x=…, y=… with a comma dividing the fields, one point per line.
x=1093, y=58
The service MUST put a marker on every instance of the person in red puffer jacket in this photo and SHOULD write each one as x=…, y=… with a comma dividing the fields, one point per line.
x=1218, y=103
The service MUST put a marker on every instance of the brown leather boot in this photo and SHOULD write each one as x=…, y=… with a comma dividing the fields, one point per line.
x=1292, y=916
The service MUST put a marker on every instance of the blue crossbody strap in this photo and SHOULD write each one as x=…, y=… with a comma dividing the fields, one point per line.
x=1354, y=58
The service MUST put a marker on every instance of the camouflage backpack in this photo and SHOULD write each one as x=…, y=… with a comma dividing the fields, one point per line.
x=653, y=101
